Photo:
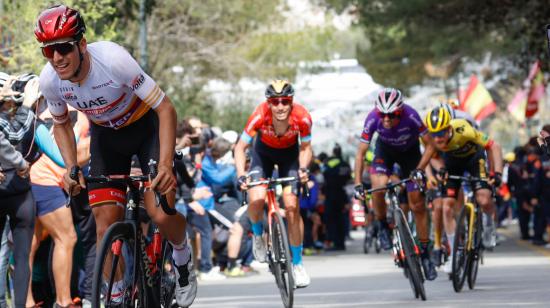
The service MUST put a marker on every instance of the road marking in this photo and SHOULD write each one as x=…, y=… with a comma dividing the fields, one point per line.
x=525, y=244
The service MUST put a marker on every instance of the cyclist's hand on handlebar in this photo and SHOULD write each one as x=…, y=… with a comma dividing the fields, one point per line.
x=432, y=182
x=243, y=182
x=303, y=173
x=165, y=181
x=70, y=183
x=418, y=175
x=359, y=192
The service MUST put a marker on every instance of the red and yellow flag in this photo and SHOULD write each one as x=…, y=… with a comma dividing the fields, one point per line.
x=525, y=103
x=477, y=100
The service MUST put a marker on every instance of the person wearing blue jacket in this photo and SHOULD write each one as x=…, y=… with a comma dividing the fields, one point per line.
x=307, y=209
x=214, y=176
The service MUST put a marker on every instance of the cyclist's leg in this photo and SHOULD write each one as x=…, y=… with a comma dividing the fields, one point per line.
x=261, y=166
x=437, y=220
x=408, y=162
x=482, y=190
x=107, y=201
x=380, y=171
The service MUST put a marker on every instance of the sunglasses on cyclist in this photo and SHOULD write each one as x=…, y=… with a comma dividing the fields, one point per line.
x=391, y=115
x=440, y=134
x=275, y=101
x=61, y=48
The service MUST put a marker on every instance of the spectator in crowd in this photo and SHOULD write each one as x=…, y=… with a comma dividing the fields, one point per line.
x=337, y=174
x=308, y=205
x=15, y=189
x=214, y=176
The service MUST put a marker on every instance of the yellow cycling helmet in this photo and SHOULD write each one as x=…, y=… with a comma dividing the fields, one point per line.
x=438, y=119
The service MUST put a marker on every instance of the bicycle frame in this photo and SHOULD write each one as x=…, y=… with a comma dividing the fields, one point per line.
x=471, y=221
x=472, y=206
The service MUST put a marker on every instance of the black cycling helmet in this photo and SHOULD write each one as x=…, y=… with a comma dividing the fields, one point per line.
x=279, y=88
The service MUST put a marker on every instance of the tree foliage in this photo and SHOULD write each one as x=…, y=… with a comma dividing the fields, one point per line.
x=189, y=44
x=405, y=35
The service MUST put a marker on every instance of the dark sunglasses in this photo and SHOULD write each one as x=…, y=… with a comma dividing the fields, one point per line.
x=391, y=115
x=439, y=134
x=61, y=48
x=280, y=100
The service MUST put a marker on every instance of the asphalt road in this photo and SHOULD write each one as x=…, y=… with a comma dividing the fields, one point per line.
x=514, y=274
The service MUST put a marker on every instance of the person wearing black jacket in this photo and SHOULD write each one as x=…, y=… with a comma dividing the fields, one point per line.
x=337, y=174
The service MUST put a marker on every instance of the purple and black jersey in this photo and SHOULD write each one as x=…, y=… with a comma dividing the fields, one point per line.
x=401, y=137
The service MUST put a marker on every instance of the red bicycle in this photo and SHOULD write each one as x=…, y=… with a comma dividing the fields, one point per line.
x=279, y=257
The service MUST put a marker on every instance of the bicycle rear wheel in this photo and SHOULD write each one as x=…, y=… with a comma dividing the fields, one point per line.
x=461, y=257
x=116, y=272
x=476, y=253
x=281, y=261
x=412, y=258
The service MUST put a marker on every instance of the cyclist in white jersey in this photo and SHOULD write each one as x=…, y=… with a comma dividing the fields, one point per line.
x=130, y=115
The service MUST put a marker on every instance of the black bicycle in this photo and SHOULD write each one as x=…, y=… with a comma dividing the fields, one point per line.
x=467, y=248
x=405, y=250
x=132, y=270
x=371, y=233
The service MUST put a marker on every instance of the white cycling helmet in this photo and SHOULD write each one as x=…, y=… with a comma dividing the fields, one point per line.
x=449, y=109
x=389, y=100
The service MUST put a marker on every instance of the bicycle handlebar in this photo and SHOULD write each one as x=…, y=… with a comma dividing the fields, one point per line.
x=304, y=189
x=127, y=179
x=388, y=186
x=467, y=178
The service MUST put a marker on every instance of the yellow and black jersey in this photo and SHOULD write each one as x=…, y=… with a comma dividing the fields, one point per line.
x=465, y=140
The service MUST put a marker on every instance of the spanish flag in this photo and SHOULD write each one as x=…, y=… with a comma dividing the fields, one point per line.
x=477, y=100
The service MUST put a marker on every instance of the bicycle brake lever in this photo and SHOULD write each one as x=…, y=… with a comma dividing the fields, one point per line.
x=159, y=199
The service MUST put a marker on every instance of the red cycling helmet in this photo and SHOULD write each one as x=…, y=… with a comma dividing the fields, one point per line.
x=59, y=22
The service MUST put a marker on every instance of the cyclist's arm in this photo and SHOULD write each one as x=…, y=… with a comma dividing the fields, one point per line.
x=167, y=132
x=429, y=151
x=494, y=153
x=306, y=153
x=65, y=139
x=359, y=161
x=240, y=157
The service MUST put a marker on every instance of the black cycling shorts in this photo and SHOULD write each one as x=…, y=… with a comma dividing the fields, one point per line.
x=264, y=159
x=112, y=151
x=474, y=164
x=385, y=157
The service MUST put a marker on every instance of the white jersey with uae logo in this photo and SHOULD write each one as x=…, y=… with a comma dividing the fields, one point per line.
x=116, y=92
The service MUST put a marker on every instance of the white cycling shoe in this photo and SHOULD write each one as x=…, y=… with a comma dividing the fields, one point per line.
x=301, y=278
x=448, y=266
x=259, y=249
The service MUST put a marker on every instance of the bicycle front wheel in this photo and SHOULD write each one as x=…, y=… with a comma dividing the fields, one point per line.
x=412, y=257
x=167, y=276
x=115, y=281
x=460, y=250
x=281, y=260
